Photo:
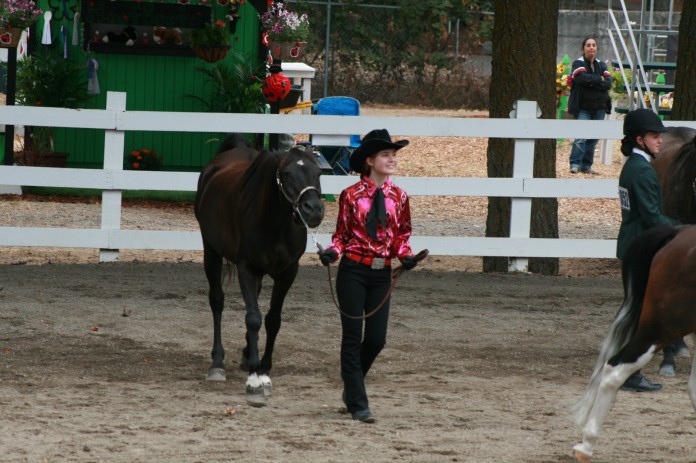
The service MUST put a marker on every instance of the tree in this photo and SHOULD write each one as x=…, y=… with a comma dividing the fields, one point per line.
x=685, y=81
x=525, y=37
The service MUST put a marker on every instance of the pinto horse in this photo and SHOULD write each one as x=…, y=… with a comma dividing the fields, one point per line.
x=659, y=280
x=676, y=171
x=253, y=209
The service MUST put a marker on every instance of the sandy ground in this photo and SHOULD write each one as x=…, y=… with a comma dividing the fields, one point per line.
x=477, y=368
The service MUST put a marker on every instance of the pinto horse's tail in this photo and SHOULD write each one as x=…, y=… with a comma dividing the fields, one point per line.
x=635, y=272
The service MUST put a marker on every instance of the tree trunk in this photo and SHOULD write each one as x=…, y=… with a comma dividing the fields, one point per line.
x=683, y=108
x=524, y=53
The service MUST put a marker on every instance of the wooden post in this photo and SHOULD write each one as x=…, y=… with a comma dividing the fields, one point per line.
x=114, y=142
x=522, y=167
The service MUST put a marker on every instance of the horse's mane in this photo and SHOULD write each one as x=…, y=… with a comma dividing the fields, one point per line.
x=683, y=171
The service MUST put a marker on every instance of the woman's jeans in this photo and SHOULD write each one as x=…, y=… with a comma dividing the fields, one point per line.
x=582, y=154
x=360, y=289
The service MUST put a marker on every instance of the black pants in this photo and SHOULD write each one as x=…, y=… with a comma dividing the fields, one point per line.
x=360, y=289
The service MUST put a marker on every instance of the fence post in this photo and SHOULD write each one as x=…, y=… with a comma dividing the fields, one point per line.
x=522, y=167
x=114, y=142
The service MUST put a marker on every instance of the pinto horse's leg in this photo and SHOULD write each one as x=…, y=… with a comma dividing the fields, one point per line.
x=212, y=263
x=613, y=376
x=668, y=367
x=249, y=284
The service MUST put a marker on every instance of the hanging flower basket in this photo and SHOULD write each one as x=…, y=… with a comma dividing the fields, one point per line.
x=284, y=51
x=9, y=38
x=212, y=54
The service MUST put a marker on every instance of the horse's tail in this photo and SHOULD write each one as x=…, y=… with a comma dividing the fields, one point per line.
x=233, y=140
x=635, y=272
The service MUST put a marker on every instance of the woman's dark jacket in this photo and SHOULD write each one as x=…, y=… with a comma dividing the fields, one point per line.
x=589, y=92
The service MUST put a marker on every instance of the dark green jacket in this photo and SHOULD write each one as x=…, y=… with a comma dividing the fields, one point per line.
x=641, y=201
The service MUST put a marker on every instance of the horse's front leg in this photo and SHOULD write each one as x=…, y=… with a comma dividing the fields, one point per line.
x=212, y=263
x=249, y=284
x=272, y=322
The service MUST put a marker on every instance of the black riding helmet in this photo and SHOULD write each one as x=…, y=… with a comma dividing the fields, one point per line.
x=640, y=121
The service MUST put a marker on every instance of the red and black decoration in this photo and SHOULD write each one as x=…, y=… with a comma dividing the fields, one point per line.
x=276, y=87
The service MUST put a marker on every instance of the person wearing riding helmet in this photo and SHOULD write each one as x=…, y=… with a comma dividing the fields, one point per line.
x=640, y=196
x=372, y=230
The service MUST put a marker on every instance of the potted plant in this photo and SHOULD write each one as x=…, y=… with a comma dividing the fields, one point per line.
x=210, y=42
x=47, y=79
x=234, y=86
x=285, y=31
x=15, y=16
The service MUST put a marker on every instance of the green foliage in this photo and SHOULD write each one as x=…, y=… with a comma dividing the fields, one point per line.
x=402, y=40
x=46, y=79
x=235, y=88
x=210, y=35
x=617, y=82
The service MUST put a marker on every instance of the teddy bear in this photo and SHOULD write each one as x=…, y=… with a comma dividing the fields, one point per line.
x=164, y=36
x=127, y=36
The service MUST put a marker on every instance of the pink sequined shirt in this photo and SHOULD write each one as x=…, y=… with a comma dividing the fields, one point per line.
x=353, y=207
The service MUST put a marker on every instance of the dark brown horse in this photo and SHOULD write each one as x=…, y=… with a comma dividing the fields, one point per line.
x=659, y=278
x=676, y=169
x=253, y=209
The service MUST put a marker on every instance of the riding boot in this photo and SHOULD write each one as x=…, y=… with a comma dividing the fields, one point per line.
x=639, y=383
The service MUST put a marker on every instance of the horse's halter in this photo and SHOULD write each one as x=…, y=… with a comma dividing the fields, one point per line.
x=296, y=202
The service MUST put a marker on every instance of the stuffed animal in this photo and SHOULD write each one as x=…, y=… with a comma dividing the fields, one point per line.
x=164, y=36
x=127, y=36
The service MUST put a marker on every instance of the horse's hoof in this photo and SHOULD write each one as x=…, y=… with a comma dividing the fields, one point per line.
x=267, y=385
x=581, y=456
x=255, y=396
x=216, y=374
x=667, y=370
x=255, y=391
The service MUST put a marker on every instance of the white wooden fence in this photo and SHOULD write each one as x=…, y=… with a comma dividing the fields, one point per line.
x=112, y=179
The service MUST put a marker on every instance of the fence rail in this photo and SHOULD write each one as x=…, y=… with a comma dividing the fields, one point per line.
x=112, y=179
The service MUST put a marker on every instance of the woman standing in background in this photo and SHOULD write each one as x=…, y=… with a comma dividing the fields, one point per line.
x=589, y=101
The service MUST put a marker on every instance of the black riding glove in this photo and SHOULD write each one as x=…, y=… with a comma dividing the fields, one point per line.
x=327, y=257
x=408, y=262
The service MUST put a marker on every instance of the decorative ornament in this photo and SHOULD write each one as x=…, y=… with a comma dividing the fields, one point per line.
x=276, y=87
x=9, y=38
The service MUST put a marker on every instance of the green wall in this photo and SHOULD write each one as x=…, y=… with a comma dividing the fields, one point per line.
x=152, y=83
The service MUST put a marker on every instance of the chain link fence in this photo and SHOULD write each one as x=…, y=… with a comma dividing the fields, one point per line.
x=381, y=54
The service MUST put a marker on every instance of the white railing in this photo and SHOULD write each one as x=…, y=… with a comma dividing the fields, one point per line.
x=112, y=179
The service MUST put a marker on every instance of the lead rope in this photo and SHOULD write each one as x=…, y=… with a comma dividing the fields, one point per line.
x=396, y=274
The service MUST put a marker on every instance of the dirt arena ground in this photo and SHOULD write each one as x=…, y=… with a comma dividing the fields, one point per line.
x=478, y=368
x=107, y=362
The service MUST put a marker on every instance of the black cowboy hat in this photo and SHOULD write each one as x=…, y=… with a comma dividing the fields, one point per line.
x=640, y=121
x=375, y=141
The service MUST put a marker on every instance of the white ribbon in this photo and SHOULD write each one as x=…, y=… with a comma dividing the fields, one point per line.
x=76, y=29
x=46, y=38
x=92, y=78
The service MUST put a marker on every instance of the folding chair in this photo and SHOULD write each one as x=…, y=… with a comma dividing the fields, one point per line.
x=337, y=149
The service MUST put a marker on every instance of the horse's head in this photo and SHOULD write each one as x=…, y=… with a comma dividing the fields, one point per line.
x=298, y=179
